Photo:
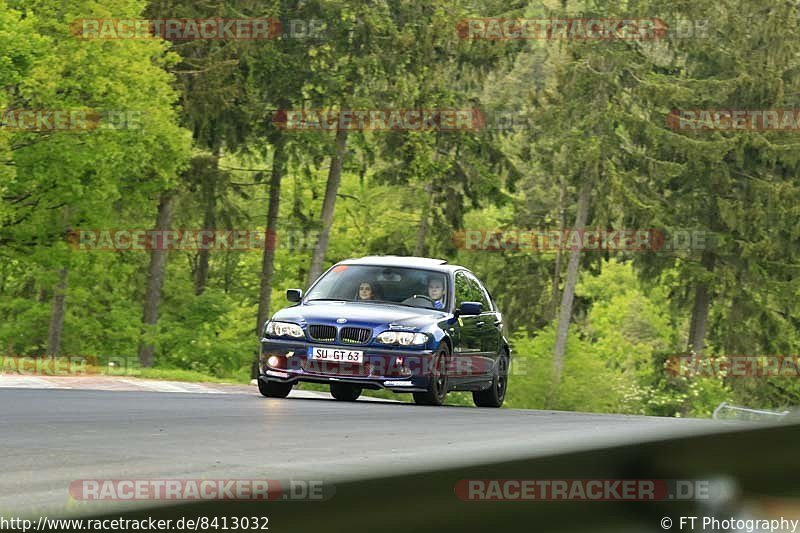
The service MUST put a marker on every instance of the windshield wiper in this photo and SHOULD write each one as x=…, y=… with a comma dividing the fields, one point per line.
x=328, y=300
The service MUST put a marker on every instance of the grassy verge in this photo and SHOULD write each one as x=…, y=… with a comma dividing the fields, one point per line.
x=75, y=367
x=177, y=374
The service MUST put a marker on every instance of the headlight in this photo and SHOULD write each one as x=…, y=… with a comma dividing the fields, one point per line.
x=283, y=329
x=404, y=338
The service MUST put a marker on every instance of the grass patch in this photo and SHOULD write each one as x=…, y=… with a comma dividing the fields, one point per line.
x=177, y=374
x=75, y=367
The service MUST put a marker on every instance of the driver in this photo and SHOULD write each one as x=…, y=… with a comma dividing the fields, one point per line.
x=436, y=292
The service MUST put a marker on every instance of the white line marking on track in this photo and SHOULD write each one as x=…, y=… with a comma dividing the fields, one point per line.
x=25, y=382
x=171, y=386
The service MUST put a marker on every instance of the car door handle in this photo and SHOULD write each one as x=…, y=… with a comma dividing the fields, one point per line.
x=479, y=324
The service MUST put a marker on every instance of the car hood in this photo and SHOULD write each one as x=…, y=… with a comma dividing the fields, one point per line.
x=359, y=313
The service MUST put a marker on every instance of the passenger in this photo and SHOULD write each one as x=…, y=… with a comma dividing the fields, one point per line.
x=366, y=291
x=436, y=292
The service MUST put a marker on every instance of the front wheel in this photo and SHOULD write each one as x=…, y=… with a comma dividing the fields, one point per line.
x=495, y=395
x=437, y=391
x=273, y=389
x=345, y=392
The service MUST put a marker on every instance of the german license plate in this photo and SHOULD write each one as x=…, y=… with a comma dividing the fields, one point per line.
x=338, y=356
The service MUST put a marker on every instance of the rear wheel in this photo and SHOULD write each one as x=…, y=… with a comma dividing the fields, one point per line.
x=273, y=389
x=345, y=392
x=437, y=392
x=495, y=395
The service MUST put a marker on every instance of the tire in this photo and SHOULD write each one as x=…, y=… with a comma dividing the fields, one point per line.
x=273, y=389
x=495, y=395
x=437, y=392
x=345, y=392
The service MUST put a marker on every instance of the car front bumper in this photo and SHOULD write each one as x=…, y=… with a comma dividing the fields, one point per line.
x=388, y=368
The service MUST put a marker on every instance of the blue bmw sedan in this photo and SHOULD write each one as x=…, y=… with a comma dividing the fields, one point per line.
x=405, y=324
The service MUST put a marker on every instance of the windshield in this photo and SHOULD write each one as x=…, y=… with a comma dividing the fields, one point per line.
x=362, y=283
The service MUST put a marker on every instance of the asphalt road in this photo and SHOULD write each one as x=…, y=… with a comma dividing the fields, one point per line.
x=50, y=438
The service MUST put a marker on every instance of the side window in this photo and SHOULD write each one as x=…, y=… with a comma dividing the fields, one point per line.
x=463, y=289
x=480, y=294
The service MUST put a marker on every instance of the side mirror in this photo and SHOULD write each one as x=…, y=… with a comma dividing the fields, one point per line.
x=294, y=295
x=470, y=308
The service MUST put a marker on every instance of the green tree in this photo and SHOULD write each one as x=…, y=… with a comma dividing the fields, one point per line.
x=83, y=179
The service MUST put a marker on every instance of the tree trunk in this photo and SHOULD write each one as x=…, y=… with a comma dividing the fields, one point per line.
x=702, y=299
x=422, y=231
x=562, y=222
x=735, y=343
x=307, y=227
x=3, y=278
x=331, y=190
x=208, y=189
x=155, y=279
x=270, y=240
x=57, y=315
x=568, y=295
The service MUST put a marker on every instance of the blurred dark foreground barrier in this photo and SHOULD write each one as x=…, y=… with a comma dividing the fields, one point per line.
x=758, y=466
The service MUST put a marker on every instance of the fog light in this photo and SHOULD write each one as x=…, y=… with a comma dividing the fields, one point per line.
x=399, y=369
x=273, y=361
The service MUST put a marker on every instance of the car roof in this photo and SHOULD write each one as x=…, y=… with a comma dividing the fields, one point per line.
x=439, y=265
